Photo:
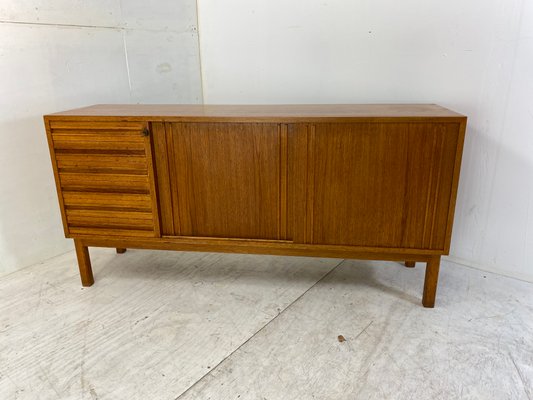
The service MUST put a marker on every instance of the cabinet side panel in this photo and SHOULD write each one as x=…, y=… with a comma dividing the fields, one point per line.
x=54, y=160
x=455, y=183
x=443, y=189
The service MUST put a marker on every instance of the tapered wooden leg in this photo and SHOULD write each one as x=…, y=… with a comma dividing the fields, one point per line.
x=84, y=263
x=410, y=264
x=120, y=250
x=430, y=282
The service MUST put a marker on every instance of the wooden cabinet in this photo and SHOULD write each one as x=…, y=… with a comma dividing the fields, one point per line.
x=351, y=181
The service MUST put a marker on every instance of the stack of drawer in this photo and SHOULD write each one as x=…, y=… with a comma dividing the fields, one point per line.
x=103, y=177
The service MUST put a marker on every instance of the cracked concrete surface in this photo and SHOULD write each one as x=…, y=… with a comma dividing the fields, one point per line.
x=168, y=325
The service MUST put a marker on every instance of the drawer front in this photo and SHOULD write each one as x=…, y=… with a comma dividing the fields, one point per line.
x=104, y=178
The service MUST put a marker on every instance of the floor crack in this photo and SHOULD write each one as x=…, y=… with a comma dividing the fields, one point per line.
x=521, y=377
x=363, y=331
x=262, y=328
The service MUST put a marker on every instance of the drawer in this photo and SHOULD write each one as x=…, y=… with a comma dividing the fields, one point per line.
x=110, y=219
x=128, y=163
x=103, y=171
x=107, y=201
x=95, y=181
x=105, y=143
x=101, y=137
x=76, y=231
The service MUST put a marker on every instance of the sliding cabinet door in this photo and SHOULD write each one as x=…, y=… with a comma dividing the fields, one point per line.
x=385, y=185
x=225, y=180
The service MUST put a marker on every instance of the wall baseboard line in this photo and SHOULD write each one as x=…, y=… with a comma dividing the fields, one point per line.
x=490, y=269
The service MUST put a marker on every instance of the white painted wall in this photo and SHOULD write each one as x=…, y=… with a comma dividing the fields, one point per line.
x=475, y=57
x=56, y=55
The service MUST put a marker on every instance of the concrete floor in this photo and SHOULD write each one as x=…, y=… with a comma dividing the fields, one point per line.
x=168, y=325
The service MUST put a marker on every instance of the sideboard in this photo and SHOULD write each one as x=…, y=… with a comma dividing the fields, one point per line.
x=345, y=181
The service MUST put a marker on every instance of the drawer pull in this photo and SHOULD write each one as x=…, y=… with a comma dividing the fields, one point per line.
x=146, y=132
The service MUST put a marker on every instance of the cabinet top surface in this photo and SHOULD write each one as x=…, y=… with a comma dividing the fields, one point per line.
x=261, y=112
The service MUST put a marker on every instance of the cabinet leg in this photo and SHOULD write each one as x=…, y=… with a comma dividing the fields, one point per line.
x=120, y=250
x=84, y=263
x=430, y=282
x=410, y=264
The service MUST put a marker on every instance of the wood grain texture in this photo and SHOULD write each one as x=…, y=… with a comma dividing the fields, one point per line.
x=455, y=185
x=127, y=163
x=228, y=179
x=430, y=282
x=383, y=185
x=107, y=201
x=55, y=169
x=359, y=184
x=84, y=263
x=109, y=218
x=152, y=181
x=102, y=181
x=162, y=170
x=260, y=113
x=311, y=179
x=254, y=246
x=131, y=230
x=431, y=159
x=106, y=142
x=180, y=221
x=283, y=182
x=105, y=177
x=297, y=178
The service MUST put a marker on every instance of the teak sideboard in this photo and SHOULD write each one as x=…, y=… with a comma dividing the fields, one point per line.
x=346, y=181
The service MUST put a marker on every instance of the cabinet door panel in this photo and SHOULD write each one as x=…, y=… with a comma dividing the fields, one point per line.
x=225, y=180
x=380, y=184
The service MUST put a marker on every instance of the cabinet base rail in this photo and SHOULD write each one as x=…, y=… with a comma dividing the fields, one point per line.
x=431, y=259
